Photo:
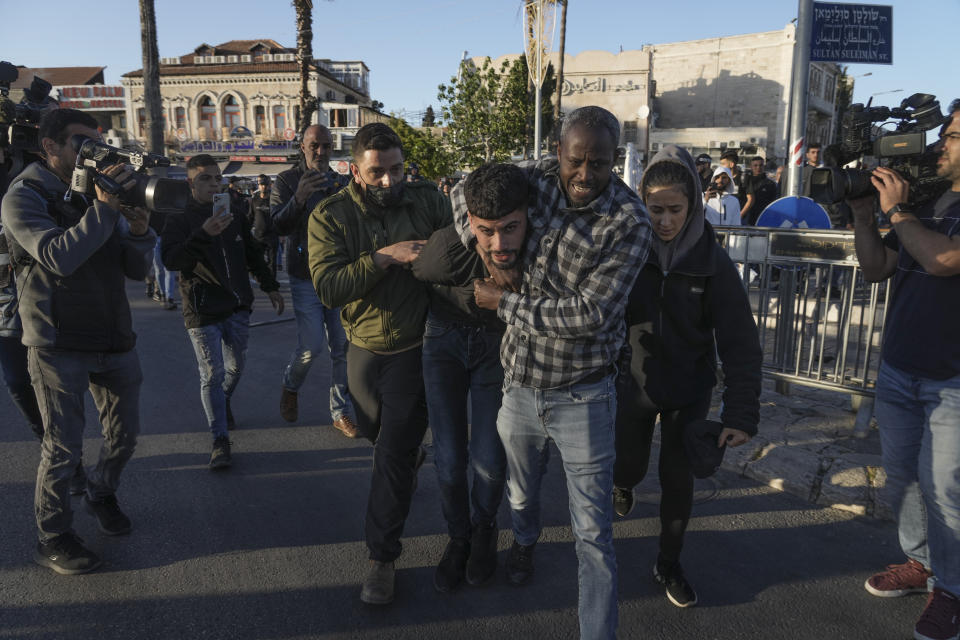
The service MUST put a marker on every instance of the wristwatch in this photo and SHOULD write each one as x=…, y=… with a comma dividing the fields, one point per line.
x=900, y=207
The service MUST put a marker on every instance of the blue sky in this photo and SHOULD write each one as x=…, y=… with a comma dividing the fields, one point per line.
x=413, y=46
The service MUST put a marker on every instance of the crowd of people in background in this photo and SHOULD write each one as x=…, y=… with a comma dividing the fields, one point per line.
x=546, y=300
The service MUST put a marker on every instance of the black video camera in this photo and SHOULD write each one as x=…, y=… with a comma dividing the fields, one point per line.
x=163, y=195
x=903, y=151
x=19, y=142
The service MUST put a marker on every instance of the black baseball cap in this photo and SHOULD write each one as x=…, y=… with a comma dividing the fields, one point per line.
x=700, y=442
x=703, y=157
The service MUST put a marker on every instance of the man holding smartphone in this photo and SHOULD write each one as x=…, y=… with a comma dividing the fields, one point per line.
x=211, y=246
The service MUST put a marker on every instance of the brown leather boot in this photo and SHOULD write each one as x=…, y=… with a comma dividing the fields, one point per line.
x=288, y=405
x=344, y=424
x=378, y=585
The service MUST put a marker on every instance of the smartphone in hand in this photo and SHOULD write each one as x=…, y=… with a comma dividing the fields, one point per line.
x=221, y=205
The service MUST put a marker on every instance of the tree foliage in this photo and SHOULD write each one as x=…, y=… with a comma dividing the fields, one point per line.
x=421, y=147
x=488, y=111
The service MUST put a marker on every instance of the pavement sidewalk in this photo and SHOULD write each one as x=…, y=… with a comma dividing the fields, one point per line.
x=807, y=445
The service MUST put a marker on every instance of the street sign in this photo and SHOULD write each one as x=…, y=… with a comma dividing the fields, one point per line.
x=852, y=33
x=289, y=134
x=794, y=212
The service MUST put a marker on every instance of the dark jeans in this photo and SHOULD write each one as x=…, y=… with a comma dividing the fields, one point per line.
x=16, y=377
x=459, y=362
x=636, y=419
x=388, y=398
x=60, y=379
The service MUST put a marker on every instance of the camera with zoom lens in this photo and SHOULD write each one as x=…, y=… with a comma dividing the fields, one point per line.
x=162, y=195
x=903, y=150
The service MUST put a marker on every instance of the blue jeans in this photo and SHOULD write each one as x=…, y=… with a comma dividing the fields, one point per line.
x=580, y=420
x=317, y=328
x=919, y=423
x=221, y=351
x=61, y=379
x=459, y=362
x=166, y=279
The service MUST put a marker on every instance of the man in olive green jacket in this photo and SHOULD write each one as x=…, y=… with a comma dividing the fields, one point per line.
x=361, y=243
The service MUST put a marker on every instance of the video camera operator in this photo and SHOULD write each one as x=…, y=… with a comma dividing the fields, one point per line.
x=918, y=386
x=72, y=254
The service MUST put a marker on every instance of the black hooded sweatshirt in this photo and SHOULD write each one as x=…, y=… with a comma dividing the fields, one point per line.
x=676, y=308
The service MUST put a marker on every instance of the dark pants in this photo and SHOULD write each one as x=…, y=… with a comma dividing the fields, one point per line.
x=60, y=379
x=636, y=419
x=461, y=362
x=16, y=377
x=388, y=398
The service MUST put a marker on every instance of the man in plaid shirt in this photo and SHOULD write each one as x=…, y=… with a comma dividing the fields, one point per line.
x=588, y=235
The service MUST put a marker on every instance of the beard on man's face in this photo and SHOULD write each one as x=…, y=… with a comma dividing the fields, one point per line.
x=503, y=266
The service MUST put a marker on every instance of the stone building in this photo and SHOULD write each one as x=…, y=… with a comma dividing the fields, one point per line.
x=706, y=95
x=248, y=90
x=713, y=94
x=619, y=82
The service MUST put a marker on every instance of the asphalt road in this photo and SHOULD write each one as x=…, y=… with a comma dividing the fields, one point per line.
x=273, y=549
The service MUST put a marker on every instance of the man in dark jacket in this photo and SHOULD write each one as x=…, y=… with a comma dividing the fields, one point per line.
x=261, y=223
x=361, y=241
x=297, y=192
x=461, y=359
x=73, y=256
x=213, y=254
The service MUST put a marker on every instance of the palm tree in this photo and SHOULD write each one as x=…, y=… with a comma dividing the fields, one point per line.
x=308, y=103
x=151, y=76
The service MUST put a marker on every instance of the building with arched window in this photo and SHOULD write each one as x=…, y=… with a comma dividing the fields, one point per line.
x=230, y=91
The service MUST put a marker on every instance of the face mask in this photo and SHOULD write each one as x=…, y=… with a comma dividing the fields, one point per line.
x=385, y=197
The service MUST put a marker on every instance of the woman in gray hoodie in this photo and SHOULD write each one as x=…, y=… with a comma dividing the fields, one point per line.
x=687, y=305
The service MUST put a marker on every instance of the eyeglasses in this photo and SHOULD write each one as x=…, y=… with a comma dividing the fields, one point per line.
x=954, y=135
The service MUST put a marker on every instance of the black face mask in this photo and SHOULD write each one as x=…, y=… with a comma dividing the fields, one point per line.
x=384, y=197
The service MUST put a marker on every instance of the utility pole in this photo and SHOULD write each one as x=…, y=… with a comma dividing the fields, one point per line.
x=798, y=97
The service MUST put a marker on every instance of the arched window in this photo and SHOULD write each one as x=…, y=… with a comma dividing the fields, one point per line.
x=208, y=115
x=180, y=115
x=259, y=119
x=141, y=122
x=279, y=119
x=231, y=113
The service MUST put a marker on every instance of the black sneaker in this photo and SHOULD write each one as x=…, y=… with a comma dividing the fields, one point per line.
x=670, y=575
x=66, y=555
x=220, y=458
x=78, y=481
x=483, y=554
x=622, y=501
x=452, y=566
x=231, y=423
x=111, y=520
x=520, y=564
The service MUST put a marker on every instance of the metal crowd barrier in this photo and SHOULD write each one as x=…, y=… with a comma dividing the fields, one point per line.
x=821, y=324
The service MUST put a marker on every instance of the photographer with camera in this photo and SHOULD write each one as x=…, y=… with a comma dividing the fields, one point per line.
x=72, y=254
x=918, y=385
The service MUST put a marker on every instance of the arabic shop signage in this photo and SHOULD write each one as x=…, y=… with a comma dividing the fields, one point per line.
x=851, y=33
x=92, y=97
x=573, y=84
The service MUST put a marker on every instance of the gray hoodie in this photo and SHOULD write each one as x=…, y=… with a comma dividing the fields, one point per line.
x=668, y=254
x=72, y=295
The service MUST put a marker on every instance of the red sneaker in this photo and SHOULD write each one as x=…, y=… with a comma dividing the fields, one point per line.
x=941, y=619
x=899, y=580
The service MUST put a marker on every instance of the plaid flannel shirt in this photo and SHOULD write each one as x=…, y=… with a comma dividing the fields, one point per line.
x=580, y=264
